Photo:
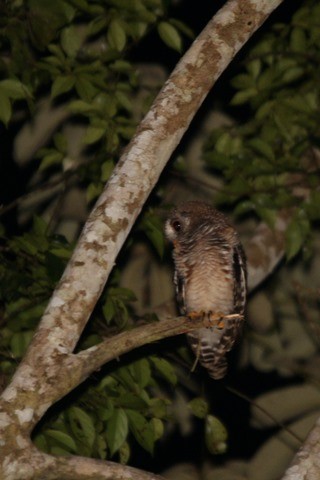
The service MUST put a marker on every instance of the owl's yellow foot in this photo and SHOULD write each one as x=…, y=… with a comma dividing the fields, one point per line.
x=214, y=320
x=210, y=319
x=196, y=315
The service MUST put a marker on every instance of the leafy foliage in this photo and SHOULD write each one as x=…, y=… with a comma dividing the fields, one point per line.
x=108, y=414
x=30, y=266
x=78, y=50
x=78, y=53
x=270, y=161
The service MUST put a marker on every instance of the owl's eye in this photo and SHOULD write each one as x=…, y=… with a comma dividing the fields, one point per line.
x=176, y=225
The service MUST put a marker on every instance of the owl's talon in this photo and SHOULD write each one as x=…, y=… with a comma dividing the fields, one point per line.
x=196, y=315
x=220, y=325
x=214, y=320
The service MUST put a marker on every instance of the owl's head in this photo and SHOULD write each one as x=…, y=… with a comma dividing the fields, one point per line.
x=194, y=218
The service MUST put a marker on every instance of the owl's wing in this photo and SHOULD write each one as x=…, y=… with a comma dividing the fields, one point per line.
x=240, y=279
x=180, y=285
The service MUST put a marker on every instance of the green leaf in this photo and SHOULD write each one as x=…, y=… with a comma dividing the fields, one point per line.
x=268, y=215
x=124, y=453
x=41, y=442
x=62, y=84
x=216, y=435
x=45, y=18
x=63, y=439
x=262, y=147
x=158, y=407
x=142, y=430
x=85, y=87
x=254, y=68
x=153, y=228
x=106, y=170
x=5, y=109
x=116, y=35
x=107, y=411
x=131, y=400
x=93, y=134
x=80, y=106
x=93, y=191
x=222, y=143
x=199, y=407
x=296, y=235
x=117, y=430
x=60, y=142
x=242, y=81
x=101, y=446
x=141, y=372
x=123, y=374
x=14, y=89
x=71, y=40
x=59, y=451
x=39, y=226
x=298, y=40
x=242, y=97
x=82, y=427
x=170, y=35
x=292, y=74
x=20, y=342
x=98, y=24
x=53, y=158
x=182, y=27
x=124, y=101
x=165, y=369
x=158, y=428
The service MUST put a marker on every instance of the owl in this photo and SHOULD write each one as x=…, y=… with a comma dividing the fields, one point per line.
x=210, y=279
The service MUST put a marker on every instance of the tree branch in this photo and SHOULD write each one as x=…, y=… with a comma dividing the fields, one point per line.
x=265, y=249
x=306, y=462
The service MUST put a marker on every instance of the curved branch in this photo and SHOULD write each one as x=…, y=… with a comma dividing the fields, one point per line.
x=49, y=467
x=266, y=249
x=306, y=462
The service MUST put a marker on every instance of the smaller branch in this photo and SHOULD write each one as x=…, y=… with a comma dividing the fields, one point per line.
x=93, y=358
x=256, y=405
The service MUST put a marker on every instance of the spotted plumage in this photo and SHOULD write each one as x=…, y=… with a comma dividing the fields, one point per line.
x=210, y=278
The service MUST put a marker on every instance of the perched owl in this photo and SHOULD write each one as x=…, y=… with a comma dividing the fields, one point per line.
x=210, y=278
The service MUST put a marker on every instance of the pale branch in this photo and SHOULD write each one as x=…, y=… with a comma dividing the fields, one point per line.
x=265, y=249
x=306, y=463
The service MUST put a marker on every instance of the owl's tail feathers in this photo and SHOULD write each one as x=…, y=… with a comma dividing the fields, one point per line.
x=217, y=370
x=210, y=347
x=215, y=363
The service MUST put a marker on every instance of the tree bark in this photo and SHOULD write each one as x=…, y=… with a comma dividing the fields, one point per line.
x=306, y=463
x=44, y=374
